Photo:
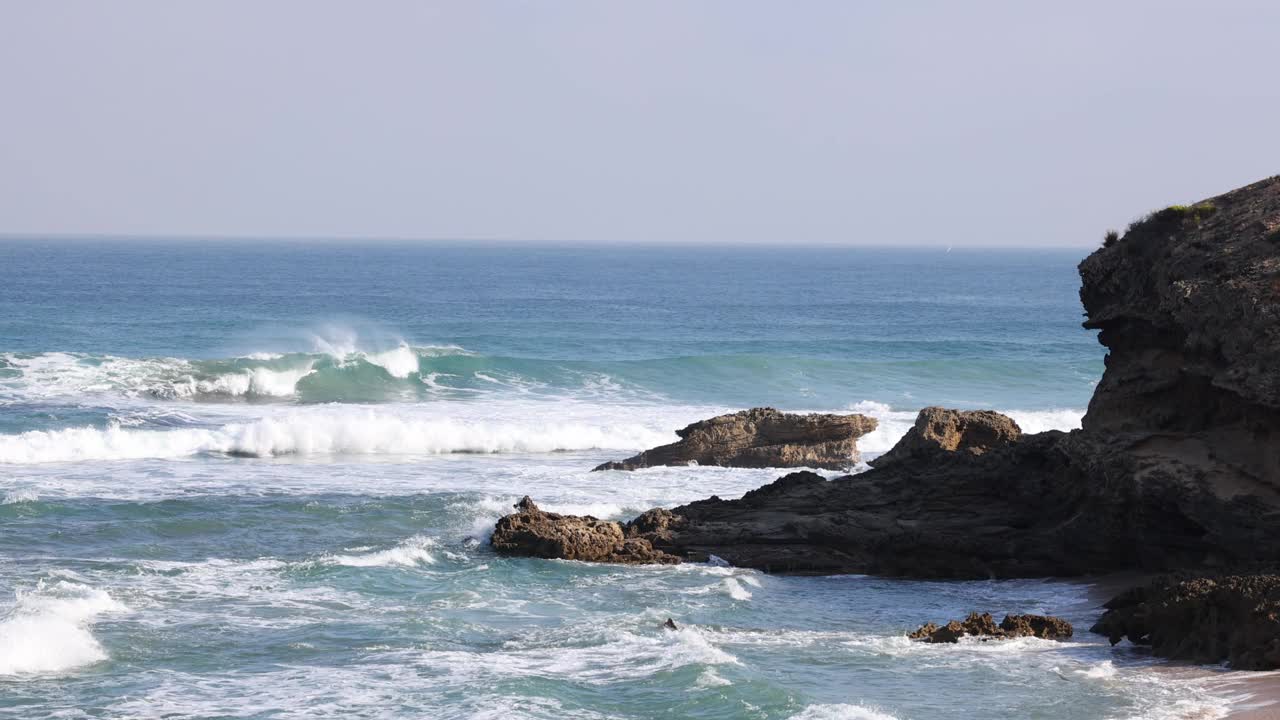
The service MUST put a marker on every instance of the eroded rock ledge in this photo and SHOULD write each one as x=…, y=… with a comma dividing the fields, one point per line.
x=761, y=437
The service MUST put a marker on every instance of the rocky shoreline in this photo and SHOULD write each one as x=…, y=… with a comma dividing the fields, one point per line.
x=1176, y=466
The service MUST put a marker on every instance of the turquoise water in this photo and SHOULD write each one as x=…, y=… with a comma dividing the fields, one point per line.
x=255, y=480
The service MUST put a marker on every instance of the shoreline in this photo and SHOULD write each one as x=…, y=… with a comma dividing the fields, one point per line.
x=1253, y=695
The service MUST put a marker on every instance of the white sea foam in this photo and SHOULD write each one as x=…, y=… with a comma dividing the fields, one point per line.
x=400, y=362
x=410, y=553
x=710, y=678
x=615, y=654
x=19, y=495
x=1034, y=421
x=328, y=431
x=893, y=424
x=48, y=628
x=1100, y=671
x=251, y=382
x=735, y=589
x=840, y=712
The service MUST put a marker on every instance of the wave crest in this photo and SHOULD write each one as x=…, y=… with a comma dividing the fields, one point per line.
x=326, y=433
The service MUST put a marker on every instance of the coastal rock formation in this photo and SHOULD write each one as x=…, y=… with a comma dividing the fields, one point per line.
x=983, y=625
x=941, y=430
x=761, y=437
x=533, y=532
x=1177, y=464
x=1233, y=619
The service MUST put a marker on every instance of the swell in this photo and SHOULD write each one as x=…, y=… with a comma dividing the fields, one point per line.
x=405, y=373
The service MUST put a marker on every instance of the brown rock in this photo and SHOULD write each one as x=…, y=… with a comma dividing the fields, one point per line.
x=942, y=430
x=533, y=532
x=1045, y=627
x=923, y=632
x=761, y=437
x=984, y=626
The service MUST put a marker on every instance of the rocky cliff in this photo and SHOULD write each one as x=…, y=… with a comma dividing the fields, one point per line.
x=1177, y=464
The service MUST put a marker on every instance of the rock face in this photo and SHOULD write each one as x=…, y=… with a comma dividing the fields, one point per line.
x=1234, y=618
x=533, y=532
x=942, y=430
x=761, y=437
x=1045, y=627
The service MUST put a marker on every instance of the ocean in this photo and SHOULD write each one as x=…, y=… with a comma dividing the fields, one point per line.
x=249, y=479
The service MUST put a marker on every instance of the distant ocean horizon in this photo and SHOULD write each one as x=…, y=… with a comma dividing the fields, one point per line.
x=256, y=478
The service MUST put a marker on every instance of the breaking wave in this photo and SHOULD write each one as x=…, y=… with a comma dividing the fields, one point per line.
x=331, y=431
x=48, y=628
x=410, y=553
x=402, y=372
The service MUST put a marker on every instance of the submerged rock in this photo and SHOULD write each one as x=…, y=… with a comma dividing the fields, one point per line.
x=761, y=437
x=941, y=430
x=983, y=625
x=1233, y=619
x=533, y=532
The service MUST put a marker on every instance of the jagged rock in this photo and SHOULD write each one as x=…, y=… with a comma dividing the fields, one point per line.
x=924, y=632
x=1046, y=627
x=655, y=525
x=1233, y=619
x=983, y=625
x=941, y=430
x=534, y=532
x=761, y=437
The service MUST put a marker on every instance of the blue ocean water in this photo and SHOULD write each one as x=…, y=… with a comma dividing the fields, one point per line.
x=255, y=479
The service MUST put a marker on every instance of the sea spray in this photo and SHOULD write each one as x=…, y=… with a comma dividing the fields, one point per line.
x=48, y=629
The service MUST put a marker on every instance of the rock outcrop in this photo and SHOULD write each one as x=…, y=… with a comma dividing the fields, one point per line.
x=941, y=430
x=983, y=625
x=1177, y=464
x=758, y=438
x=1233, y=619
x=533, y=532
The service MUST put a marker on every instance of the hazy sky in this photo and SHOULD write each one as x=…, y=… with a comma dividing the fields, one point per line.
x=894, y=122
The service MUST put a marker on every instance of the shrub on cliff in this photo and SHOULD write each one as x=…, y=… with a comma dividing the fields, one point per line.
x=1173, y=218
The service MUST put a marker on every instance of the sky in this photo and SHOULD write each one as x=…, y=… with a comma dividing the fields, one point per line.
x=899, y=122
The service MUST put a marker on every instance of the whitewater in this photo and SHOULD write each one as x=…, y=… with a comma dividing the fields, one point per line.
x=262, y=485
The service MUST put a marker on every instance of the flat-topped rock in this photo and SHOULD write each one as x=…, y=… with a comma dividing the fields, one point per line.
x=759, y=438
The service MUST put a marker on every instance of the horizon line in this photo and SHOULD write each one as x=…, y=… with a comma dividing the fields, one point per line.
x=499, y=242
